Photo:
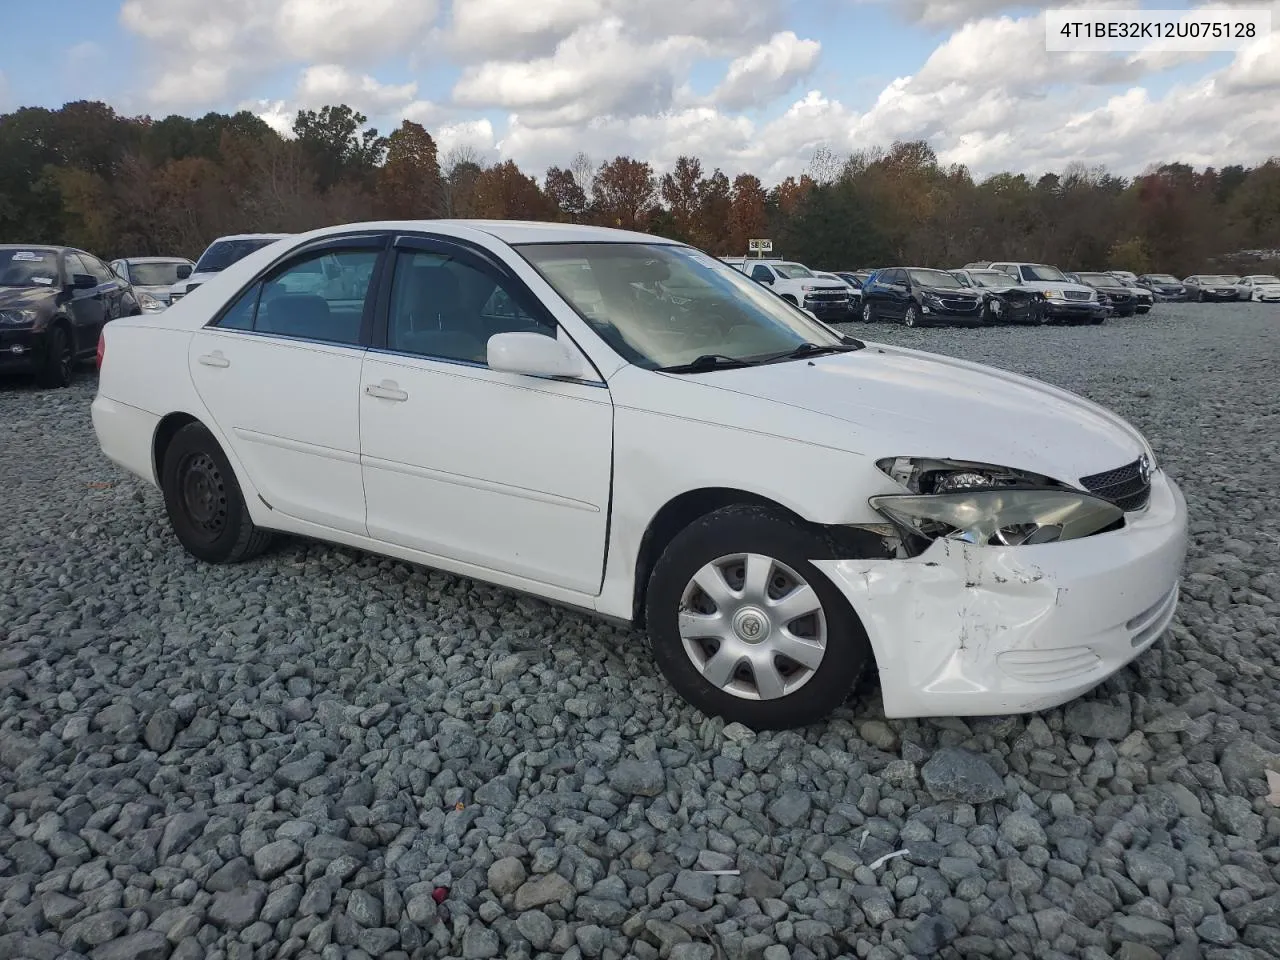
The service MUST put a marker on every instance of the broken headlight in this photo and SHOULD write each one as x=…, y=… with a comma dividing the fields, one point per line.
x=988, y=505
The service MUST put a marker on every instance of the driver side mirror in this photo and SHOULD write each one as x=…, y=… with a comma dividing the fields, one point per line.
x=533, y=354
x=184, y=271
x=83, y=281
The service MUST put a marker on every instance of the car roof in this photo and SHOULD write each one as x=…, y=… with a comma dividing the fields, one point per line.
x=154, y=259
x=47, y=247
x=252, y=236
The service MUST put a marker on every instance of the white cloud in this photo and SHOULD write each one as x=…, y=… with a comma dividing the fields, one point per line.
x=351, y=30
x=768, y=71
x=597, y=71
x=331, y=83
x=475, y=136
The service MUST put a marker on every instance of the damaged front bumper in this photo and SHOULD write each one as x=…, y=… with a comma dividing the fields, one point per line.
x=964, y=630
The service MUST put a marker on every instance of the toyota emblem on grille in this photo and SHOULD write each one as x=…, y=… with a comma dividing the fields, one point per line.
x=1144, y=469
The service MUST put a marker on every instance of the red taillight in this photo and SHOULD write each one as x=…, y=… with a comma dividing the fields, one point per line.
x=102, y=349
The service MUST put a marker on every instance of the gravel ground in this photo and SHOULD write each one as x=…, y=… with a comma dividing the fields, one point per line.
x=323, y=753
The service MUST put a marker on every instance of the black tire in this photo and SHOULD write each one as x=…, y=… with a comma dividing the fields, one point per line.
x=204, y=502
x=59, y=358
x=1096, y=320
x=753, y=529
x=791, y=300
x=912, y=316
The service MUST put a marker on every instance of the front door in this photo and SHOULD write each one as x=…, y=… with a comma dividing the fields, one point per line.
x=280, y=372
x=505, y=472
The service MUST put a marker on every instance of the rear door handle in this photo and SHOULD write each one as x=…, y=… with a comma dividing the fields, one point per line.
x=386, y=390
x=215, y=359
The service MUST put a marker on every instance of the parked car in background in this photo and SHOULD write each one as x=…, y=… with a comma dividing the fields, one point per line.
x=1123, y=274
x=854, y=289
x=1003, y=300
x=920, y=296
x=1120, y=296
x=1207, y=288
x=219, y=255
x=778, y=506
x=1164, y=286
x=1144, y=299
x=1260, y=288
x=796, y=283
x=1065, y=302
x=152, y=278
x=54, y=302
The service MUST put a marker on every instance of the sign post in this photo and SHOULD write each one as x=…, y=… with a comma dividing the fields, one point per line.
x=760, y=247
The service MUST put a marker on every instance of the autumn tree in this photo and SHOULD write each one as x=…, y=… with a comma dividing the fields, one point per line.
x=682, y=191
x=624, y=193
x=504, y=193
x=336, y=145
x=747, y=215
x=714, y=209
x=409, y=183
x=565, y=194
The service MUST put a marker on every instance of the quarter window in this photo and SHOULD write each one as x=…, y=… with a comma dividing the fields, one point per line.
x=444, y=308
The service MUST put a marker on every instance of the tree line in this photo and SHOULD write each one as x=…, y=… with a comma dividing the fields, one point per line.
x=86, y=176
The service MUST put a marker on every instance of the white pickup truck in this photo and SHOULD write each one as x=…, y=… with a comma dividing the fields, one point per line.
x=828, y=300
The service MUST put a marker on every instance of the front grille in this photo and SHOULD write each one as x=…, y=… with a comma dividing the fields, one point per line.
x=958, y=305
x=1123, y=486
x=827, y=296
x=1076, y=295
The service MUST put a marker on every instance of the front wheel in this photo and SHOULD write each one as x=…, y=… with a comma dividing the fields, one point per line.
x=59, y=359
x=912, y=317
x=869, y=313
x=744, y=627
x=204, y=502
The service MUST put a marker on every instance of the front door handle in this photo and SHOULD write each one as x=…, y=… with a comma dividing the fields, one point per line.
x=386, y=390
x=215, y=359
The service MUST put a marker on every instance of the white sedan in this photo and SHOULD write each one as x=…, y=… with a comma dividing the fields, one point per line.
x=1260, y=288
x=780, y=507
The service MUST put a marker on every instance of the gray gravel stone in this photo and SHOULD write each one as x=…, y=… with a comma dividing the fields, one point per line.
x=165, y=725
x=956, y=774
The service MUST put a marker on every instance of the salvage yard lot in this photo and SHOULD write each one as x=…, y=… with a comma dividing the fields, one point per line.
x=294, y=753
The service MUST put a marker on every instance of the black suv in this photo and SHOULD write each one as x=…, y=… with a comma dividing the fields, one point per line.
x=54, y=302
x=1123, y=299
x=918, y=296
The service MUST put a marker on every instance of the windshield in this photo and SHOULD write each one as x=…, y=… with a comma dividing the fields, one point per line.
x=989, y=278
x=224, y=253
x=627, y=293
x=1162, y=278
x=934, y=278
x=1041, y=272
x=1093, y=279
x=1204, y=280
x=156, y=274
x=28, y=268
x=1265, y=279
x=851, y=279
x=792, y=271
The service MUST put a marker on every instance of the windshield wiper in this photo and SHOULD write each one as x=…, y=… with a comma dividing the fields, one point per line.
x=807, y=349
x=708, y=361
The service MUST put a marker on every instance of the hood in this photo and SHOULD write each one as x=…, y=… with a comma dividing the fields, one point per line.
x=822, y=283
x=890, y=401
x=158, y=290
x=28, y=298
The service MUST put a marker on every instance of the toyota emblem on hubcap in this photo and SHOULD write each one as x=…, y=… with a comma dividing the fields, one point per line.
x=750, y=628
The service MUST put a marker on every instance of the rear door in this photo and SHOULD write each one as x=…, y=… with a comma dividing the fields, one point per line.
x=279, y=369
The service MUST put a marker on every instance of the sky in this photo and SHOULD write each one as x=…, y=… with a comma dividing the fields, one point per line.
x=745, y=85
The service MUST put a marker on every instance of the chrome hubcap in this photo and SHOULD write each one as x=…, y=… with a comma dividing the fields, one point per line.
x=752, y=626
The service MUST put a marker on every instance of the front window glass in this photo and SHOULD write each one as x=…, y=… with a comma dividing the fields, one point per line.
x=989, y=278
x=319, y=298
x=661, y=305
x=793, y=271
x=934, y=278
x=224, y=253
x=1162, y=278
x=28, y=268
x=1044, y=273
x=1093, y=279
x=444, y=308
x=155, y=274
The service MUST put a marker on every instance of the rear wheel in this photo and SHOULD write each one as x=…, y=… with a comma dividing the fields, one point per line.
x=59, y=359
x=204, y=501
x=744, y=627
x=868, y=313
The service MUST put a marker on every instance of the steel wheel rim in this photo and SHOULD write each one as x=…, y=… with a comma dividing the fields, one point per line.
x=911, y=316
x=203, y=493
x=752, y=627
x=866, y=313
